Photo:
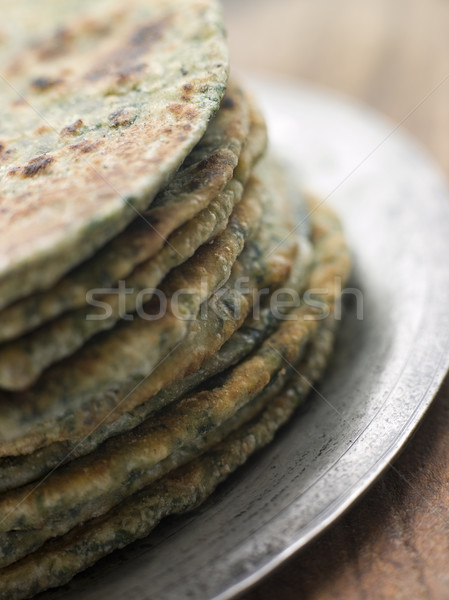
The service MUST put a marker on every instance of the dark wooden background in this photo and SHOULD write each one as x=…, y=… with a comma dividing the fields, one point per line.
x=394, y=56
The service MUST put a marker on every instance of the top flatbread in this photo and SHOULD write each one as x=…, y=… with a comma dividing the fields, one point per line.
x=101, y=102
x=173, y=211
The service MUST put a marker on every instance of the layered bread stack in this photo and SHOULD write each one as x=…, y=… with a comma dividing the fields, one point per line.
x=154, y=331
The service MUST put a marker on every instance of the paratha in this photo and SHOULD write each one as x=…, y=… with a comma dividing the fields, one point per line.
x=101, y=104
x=200, y=179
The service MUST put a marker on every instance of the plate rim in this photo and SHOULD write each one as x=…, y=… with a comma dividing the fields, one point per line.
x=260, y=77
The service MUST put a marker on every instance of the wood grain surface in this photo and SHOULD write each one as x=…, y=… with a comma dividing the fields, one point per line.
x=394, y=56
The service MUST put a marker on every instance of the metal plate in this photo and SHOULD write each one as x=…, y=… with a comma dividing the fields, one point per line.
x=386, y=369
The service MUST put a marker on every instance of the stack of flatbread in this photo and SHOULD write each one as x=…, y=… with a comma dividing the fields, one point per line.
x=154, y=326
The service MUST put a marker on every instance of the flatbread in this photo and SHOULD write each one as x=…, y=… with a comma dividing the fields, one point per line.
x=104, y=380
x=101, y=103
x=200, y=179
x=180, y=491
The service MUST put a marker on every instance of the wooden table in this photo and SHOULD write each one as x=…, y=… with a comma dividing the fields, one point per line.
x=393, y=55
